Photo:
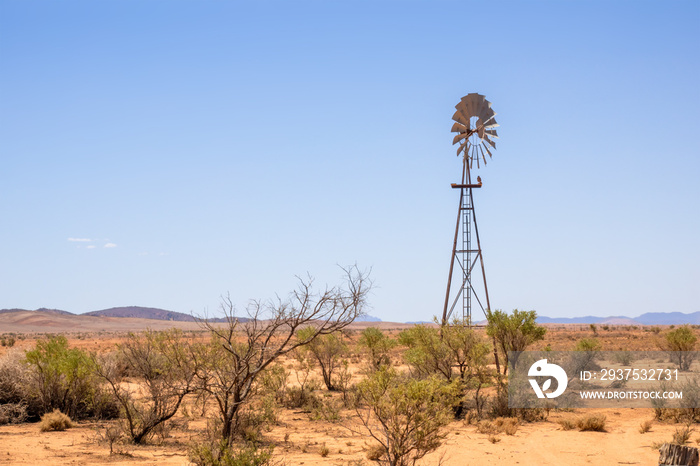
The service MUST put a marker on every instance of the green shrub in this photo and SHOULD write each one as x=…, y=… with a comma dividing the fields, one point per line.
x=513, y=332
x=55, y=421
x=327, y=350
x=681, y=343
x=64, y=378
x=221, y=454
x=405, y=416
x=377, y=345
x=587, y=344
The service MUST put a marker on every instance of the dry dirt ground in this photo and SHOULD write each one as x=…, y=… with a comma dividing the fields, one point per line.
x=298, y=440
x=538, y=443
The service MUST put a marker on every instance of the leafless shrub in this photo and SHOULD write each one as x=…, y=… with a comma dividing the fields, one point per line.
x=165, y=368
x=13, y=413
x=239, y=352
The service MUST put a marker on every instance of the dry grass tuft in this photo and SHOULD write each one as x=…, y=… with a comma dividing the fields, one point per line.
x=645, y=427
x=567, y=424
x=375, y=452
x=595, y=423
x=682, y=435
x=55, y=421
x=507, y=425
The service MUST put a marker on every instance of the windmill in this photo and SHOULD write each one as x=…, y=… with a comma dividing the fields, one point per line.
x=474, y=125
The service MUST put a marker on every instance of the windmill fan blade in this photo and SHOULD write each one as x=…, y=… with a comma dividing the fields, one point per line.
x=491, y=124
x=470, y=102
x=483, y=155
x=493, y=144
x=459, y=137
x=482, y=110
x=489, y=152
x=458, y=117
x=459, y=128
x=492, y=133
x=462, y=107
x=486, y=115
x=487, y=119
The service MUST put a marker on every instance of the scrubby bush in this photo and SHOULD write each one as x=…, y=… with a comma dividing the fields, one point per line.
x=223, y=454
x=585, y=352
x=327, y=350
x=454, y=352
x=55, y=421
x=513, y=332
x=13, y=413
x=228, y=369
x=405, y=416
x=18, y=401
x=377, y=345
x=64, y=378
x=681, y=343
x=8, y=341
x=427, y=354
x=162, y=362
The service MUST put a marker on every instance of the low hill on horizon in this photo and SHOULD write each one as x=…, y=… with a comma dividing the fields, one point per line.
x=139, y=312
x=41, y=309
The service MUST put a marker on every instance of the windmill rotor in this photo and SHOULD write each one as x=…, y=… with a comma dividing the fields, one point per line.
x=474, y=125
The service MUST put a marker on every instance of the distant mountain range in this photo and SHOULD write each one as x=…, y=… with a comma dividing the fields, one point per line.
x=139, y=312
x=368, y=318
x=136, y=312
x=650, y=318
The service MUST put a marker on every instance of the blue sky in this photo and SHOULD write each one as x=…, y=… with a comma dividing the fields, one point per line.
x=206, y=148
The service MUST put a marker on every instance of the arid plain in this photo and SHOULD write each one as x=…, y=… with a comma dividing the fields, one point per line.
x=299, y=438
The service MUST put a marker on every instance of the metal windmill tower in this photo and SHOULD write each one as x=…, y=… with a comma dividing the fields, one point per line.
x=474, y=123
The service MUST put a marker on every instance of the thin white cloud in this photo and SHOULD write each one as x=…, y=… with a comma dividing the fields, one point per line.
x=110, y=245
x=79, y=240
x=92, y=246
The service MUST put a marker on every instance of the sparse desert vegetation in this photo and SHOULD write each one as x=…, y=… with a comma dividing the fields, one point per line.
x=292, y=388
